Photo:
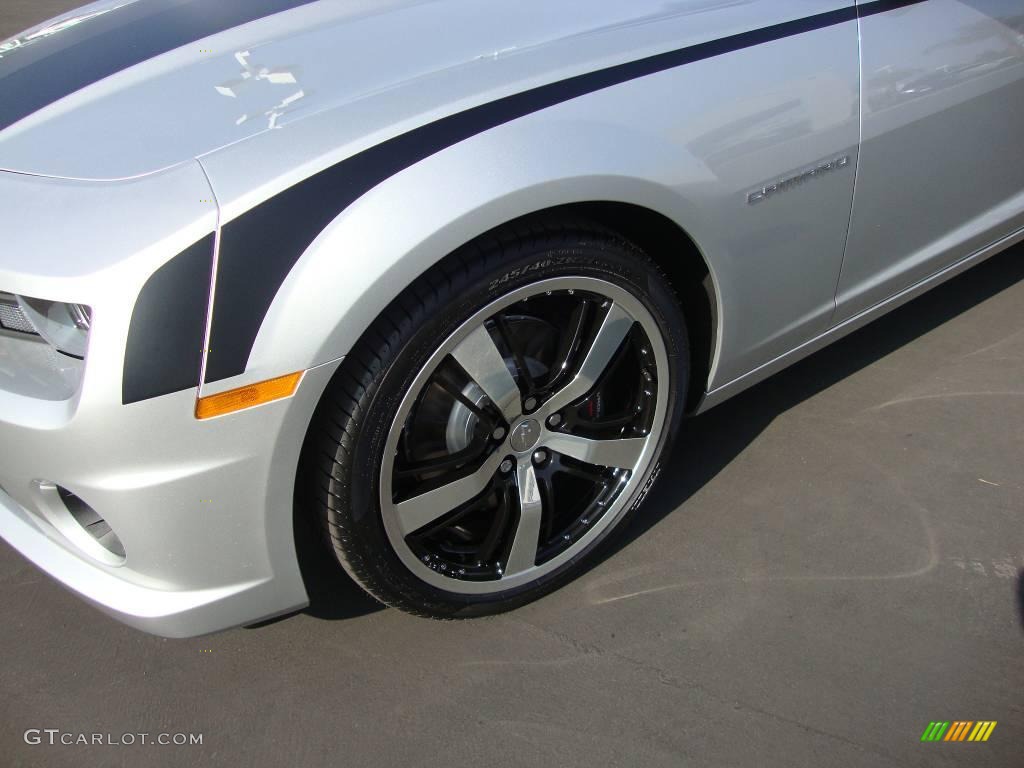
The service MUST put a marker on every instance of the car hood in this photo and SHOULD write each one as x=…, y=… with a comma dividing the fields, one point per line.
x=125, y=88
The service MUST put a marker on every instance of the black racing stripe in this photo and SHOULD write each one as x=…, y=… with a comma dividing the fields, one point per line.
x=884, y=6
x=168, y=327
x=259, y=248
x=50, y=68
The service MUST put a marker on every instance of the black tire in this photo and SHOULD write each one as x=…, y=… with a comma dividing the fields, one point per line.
x=341, y=468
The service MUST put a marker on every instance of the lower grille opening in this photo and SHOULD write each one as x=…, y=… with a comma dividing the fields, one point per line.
x=91, y=522
x=78, y=523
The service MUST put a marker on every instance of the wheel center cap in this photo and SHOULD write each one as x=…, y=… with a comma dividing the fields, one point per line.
x=525, y=436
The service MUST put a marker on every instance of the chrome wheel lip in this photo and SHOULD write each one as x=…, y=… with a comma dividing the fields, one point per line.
x=522, y=459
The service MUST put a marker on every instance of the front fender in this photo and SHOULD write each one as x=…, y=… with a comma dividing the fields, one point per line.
x=401, y=228
x=690, y=144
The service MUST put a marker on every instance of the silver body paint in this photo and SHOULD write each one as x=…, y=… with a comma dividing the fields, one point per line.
x=102, y=187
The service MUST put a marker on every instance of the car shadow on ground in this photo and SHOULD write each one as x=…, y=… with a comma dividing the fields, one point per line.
x=714, y=439
x=332, y=593
x=1020, y=597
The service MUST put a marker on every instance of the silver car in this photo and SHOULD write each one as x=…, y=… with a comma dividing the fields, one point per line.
x=442, y=279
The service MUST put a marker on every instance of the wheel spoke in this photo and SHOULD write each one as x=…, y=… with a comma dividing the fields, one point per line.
x=501, y=518
x=623, y=453
x=609, y=338
x=527, y=539
x=424, y=509
x=482, y=361
x=523, y=370
x=445, y=462
x=572, y=337
x=547, y=496
x=476, y=410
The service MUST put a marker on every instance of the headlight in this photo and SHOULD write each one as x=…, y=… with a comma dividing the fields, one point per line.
x=64, y=326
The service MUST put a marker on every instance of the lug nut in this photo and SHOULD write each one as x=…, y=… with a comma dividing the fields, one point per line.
x=506, y=466
x=529, y=404
x=498, y=433
x=539, y=457
x=554, y=420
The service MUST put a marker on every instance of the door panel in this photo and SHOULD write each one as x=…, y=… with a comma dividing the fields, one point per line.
x=941, y=170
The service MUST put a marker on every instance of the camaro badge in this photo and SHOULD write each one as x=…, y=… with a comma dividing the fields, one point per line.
x=760, y=195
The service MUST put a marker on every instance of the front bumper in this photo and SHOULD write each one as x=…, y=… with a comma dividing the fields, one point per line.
x=203, y=508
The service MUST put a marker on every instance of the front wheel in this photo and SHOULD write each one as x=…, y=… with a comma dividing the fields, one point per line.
x=501, y=418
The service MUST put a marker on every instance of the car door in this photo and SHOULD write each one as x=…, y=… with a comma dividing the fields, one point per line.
x=941, y=171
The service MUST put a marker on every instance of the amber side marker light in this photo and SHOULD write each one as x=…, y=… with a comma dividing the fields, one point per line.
x=248, y=397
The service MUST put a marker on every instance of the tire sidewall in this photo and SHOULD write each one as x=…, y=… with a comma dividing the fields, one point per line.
x=453, y=302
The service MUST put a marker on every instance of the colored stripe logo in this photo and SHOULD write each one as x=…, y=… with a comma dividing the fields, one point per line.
x=959, y=730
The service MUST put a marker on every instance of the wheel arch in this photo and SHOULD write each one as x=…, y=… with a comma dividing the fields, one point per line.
x=685, y=266
x=401, y=229
x=365, y=394
x=664, y=241
x=672, y=249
